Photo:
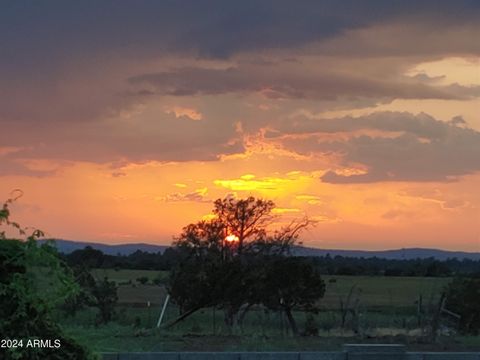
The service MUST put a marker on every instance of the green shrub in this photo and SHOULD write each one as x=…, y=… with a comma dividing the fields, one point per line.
x=33, y=280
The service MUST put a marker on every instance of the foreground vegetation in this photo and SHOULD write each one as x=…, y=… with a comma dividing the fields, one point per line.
x=134, y=327
x=33, y=283
x=374, y=291
x=387, y=313
x=117, y=338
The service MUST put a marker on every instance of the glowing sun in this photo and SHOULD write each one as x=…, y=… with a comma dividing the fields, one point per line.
x=231, y=238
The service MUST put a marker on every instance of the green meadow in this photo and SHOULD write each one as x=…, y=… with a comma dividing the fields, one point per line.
x=386, y=309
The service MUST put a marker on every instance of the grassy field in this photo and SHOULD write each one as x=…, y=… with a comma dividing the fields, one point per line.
x=372, y=291
x=387, y=313
x=134, y=330
x=382, y=291
x=120, y=338
x=125, y=275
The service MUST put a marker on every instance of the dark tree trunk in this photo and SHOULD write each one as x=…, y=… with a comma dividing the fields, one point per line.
x=230, y=315
x=241, y=316
x=291, y=321
x=181, y=317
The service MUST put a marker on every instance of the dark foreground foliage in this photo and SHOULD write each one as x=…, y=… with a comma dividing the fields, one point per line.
x=26, y=302
x=463, y=297
x=33, y=280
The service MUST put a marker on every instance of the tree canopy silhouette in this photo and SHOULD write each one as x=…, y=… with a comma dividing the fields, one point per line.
x=234, y=262
x=462, y=296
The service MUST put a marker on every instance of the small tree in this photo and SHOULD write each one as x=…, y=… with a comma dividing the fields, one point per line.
x=82, y=298
x=105, y=295
x=142, y=280
x=463, y=298
x=87, y=258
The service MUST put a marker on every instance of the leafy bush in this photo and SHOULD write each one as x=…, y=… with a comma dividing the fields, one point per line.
x=142, y=280
x=33, y=281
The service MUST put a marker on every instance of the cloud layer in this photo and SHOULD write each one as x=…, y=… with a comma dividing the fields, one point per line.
x=388, y=146
x=134, y=82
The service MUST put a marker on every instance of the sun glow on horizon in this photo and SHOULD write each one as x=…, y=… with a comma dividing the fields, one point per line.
x=232, y=238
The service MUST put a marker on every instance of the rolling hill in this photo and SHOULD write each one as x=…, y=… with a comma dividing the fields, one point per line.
x=67, y=246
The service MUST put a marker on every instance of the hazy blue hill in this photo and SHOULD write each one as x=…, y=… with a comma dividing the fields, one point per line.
x=67, y=246
x=397, y=254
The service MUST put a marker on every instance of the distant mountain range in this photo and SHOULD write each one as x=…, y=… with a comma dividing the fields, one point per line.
x=67, y=246
x=396, y=254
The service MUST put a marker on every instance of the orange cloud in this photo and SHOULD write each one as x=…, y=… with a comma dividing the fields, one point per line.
x=199, y=195
x=190, y=113
x=285, y=210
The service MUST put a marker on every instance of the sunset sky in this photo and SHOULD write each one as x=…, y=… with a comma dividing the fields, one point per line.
x=121, y=121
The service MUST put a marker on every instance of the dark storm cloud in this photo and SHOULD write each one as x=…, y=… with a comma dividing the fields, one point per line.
x=17, y=168
x=421, y=125
x=278, y=82
x=39, y=31
x=163, y=137
x=426, y=150
x=59, y=59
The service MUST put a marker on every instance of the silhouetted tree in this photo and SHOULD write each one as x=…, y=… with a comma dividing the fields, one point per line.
x=463, y=298
x=247, y=219
x=86, y=258
x=232, y=275
x=105, y=295
x=291, y=282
